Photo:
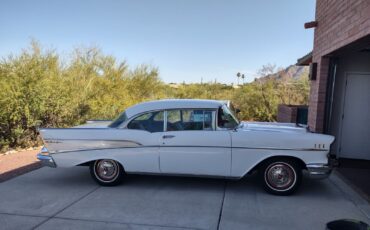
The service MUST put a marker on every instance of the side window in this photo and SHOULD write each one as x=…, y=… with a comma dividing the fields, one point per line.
x=173, y=116
x=190, y=119
x=151, y=122
x=159, y=116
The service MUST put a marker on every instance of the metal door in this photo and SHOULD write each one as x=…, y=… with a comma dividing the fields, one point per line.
x=355, y=130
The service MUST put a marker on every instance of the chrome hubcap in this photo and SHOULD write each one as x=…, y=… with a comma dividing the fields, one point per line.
x=280, y=176
x=107, y=169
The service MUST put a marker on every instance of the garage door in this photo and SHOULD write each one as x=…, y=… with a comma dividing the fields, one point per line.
x=355, y=141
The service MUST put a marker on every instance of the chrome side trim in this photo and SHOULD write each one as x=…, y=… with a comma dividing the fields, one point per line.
x=77, y=139
x=46, y=160
x=319, y=171
x=73, y=145
x=183, y=146
x=96, y=149
x=288, y=149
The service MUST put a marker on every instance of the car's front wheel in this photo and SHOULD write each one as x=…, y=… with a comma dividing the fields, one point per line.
x=107, y=172
x=281, y=176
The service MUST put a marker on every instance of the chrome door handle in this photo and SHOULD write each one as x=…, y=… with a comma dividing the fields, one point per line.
x=167, y=136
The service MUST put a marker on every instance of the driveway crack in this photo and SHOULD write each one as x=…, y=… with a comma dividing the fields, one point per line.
x=72, y=203
x=222, y=206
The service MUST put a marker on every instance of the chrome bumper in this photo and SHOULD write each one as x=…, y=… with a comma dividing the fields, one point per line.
x=319, y=171
x=46, y=160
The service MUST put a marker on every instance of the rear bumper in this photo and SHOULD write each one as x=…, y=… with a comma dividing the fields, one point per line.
x=319, y=171
x=46, y=160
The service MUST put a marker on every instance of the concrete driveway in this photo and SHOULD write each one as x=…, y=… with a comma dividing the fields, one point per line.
x=69, y=199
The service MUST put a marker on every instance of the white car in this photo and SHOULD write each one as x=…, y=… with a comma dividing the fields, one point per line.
x=192, y=138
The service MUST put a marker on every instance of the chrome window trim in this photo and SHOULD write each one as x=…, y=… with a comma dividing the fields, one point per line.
x=165, y=121
x=215, y=128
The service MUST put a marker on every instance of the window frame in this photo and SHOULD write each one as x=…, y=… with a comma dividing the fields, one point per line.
x=233, y=116
x=214, y=122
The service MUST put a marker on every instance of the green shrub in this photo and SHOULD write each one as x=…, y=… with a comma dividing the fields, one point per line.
x=38, y=89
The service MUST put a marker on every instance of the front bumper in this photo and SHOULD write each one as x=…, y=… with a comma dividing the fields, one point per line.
x=319, y=171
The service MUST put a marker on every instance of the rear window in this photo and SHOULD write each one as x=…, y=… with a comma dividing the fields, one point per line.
x=119, y=120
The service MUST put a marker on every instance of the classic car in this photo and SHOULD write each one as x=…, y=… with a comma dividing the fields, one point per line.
x=193, y=138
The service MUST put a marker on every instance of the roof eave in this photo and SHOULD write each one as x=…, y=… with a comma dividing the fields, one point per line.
x=305, y=60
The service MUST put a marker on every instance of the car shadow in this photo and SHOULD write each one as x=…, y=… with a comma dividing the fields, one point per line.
x=252, y=183
x=174, y=182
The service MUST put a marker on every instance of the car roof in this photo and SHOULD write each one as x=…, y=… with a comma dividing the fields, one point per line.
x=172, y=104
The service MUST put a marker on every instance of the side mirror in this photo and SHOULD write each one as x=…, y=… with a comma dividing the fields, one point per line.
x=237, y=111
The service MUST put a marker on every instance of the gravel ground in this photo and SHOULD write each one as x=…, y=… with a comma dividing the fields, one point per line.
x=18, y=163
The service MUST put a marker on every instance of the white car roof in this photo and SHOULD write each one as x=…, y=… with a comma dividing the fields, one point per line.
x=172, y=104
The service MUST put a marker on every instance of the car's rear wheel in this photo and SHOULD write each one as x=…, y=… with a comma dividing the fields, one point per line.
x=107, y=172
x=281, y=176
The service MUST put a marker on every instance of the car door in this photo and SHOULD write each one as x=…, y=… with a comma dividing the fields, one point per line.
x=192, y=145
x=146, y=130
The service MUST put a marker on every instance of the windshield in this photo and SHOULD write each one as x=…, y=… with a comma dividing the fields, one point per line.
x=121, y=118
x=226, y=119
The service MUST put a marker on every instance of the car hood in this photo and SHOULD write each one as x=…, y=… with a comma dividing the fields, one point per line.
x=272, y=126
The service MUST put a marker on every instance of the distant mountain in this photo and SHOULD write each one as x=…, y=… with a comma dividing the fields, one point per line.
x=291, y=72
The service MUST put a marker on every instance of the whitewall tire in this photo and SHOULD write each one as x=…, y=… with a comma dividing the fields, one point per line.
x=107, y=172
x=281, y=176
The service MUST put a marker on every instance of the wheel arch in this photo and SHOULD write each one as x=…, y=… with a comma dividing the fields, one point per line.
x=87, y=163
x=257, y=166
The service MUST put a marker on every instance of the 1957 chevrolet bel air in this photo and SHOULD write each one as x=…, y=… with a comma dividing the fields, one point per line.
x=189, y=137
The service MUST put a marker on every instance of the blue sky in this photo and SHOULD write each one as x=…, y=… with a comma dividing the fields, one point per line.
x=188, y=40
